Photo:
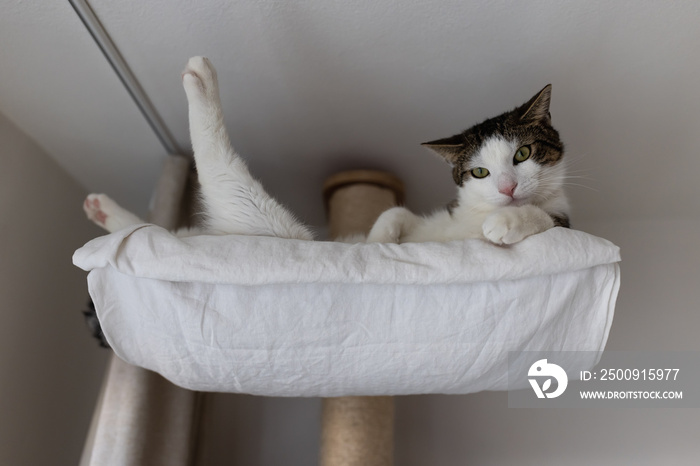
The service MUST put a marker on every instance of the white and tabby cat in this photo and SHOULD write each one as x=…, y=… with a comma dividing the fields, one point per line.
x=508, y=170
x=509, y=174
x=233, y=201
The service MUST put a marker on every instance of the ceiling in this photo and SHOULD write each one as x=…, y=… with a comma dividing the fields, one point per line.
x=311, y=87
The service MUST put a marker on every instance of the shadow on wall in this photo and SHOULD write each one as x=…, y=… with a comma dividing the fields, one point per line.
x=50, y=368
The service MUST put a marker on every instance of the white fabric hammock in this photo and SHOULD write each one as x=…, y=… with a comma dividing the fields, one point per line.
x=279, y=317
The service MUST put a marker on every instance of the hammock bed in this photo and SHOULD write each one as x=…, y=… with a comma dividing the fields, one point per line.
x=280, y=317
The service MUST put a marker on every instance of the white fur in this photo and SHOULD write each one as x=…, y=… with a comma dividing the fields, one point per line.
x=483, y=211
x=234, y=202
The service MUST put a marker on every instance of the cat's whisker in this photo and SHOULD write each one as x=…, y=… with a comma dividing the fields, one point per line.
x=540, y=196
x=580, y=170
x=578, y=185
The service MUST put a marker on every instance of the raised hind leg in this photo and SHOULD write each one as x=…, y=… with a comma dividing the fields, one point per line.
x=233, y=200
x=104, y=212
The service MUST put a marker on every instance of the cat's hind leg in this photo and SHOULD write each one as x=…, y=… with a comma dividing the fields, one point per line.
x=234, y=202
x=107, y=214
x=392, y=225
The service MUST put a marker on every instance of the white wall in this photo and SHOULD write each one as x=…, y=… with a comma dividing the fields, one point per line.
x=657, y=310
x=50, y=369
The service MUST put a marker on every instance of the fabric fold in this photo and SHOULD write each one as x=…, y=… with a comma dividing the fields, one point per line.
x=149, y=251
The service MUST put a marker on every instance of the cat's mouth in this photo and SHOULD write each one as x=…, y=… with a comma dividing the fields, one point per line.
x=515, y=201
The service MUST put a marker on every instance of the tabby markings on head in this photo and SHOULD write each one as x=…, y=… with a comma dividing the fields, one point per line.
x=521, y=136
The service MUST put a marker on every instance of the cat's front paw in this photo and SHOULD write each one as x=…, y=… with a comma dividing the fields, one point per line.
x=389, y=235
x=505, y=227
x=387, y=228
x=199, y=78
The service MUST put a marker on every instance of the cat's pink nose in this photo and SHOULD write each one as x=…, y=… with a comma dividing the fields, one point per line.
x=508, y=189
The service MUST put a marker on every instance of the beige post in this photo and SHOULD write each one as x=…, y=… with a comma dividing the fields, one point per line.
x=142, y=419
x=358, y=431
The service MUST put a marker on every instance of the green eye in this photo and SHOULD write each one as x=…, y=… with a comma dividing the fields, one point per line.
x=522, y=154
x=480, y=173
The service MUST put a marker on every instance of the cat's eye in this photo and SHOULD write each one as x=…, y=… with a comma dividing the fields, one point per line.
x=522, y=154
x=480, y=172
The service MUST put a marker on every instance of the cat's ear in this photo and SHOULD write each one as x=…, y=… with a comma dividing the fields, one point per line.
x=448, y=148
x=536, y=110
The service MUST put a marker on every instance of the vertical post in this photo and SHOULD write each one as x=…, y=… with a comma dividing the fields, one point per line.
x=169, y=193
x=142, y=419
x=358, y=431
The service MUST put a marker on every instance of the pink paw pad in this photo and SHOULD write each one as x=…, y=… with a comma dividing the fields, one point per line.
x=93, y=209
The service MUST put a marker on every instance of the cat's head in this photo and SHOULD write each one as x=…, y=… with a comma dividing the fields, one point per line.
x=512, y=159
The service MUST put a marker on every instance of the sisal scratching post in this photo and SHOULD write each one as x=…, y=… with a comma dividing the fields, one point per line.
x=354, y=199
x=358, y=430
x=142, y=419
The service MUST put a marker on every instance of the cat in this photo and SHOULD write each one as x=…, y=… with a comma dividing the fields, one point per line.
x=510, y=176
x=508, y=169
x=233, y=201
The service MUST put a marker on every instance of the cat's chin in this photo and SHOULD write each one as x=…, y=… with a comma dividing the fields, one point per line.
x=513, y=202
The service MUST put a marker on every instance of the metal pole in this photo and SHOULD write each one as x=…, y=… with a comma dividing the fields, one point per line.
x=121, y=68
